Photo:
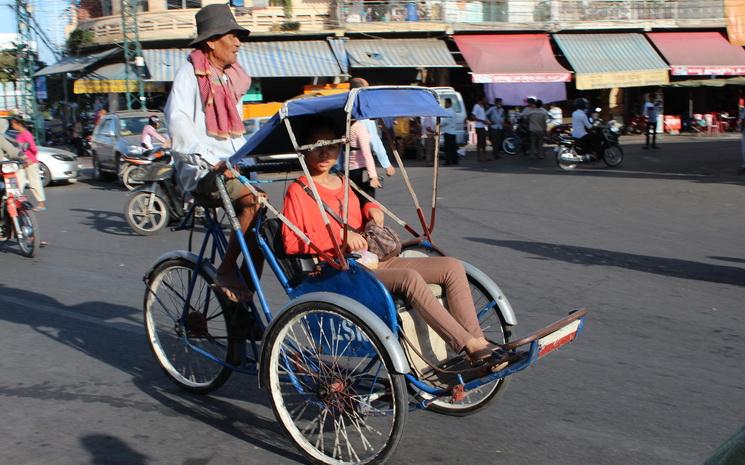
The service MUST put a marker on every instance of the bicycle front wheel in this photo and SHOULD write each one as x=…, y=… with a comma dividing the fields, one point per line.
x=333, y=387
x=191, y=340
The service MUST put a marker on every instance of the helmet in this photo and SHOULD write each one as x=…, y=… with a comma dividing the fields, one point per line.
x=153, y=121
x=581, y=103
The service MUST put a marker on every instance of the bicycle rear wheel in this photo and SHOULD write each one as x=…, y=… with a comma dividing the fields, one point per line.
x=191, y=347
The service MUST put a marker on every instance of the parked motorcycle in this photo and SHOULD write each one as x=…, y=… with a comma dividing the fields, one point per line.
x=134, y=167
x=603, y=145
x=155, y=203
x=17, y=219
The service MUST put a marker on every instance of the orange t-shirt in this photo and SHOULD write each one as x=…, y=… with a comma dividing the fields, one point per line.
x=302, y=210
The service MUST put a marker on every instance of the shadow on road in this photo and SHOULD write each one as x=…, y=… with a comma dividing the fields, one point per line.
x=106, y=222
x=109, y=450
x=672, y=267
x=123, y=346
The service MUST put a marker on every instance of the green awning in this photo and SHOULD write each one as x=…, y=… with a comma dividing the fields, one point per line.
x=603, y=61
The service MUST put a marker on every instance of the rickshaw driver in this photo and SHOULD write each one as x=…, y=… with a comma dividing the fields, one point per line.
x=204, y=117
x=459, y=327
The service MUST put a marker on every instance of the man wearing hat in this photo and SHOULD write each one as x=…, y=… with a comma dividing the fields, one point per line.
x=204, y=117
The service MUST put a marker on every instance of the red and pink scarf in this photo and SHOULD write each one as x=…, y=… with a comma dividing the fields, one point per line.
x=220, y=100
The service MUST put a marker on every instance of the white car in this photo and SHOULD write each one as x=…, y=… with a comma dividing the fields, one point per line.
x=57, y=165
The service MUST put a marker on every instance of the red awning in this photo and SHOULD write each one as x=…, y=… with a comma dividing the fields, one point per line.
x=699, y=53
x=511, y=58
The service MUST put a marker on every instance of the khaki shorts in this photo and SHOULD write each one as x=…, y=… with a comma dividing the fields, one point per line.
x=207, y=189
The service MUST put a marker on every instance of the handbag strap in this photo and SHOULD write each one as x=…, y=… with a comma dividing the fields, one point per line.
x=326, y=207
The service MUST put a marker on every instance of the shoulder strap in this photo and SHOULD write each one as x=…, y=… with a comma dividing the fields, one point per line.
x=328, y=209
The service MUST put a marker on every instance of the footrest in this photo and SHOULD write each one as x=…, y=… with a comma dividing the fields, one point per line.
x=553, y=336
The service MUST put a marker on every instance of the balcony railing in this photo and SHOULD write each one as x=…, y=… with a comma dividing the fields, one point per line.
x=529, y=14
x=180, y=24
x=396, y=16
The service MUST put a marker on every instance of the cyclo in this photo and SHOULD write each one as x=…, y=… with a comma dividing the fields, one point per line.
x=343, y=361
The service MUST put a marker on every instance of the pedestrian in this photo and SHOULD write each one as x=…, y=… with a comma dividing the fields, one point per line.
x=447, y=126
x=557, y=116
x=98, y=116
x=376, y=144
x=31, y=166
x=203, y=113
x=536, y=118
x=495, y=115
x=428, y=139
x=650, y=112
x=742, y=147
x=478, y=114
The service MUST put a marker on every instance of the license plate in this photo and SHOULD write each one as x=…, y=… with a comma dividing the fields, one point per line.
x=558, y=338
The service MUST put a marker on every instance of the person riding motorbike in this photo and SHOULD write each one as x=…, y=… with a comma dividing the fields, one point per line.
x=150, y=131
x=581, y=124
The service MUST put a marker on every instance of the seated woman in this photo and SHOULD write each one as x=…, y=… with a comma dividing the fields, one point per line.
x=408, y=277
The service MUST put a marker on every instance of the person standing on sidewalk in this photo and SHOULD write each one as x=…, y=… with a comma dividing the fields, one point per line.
x=447, y=126
x=480, y=122
x=650, y=112
x=428, y=139
x=536, y=118
x=378, y=149
x=495, y=115
x=31, y=167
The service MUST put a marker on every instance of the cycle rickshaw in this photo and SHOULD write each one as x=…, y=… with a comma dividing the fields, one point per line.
x=344, y=361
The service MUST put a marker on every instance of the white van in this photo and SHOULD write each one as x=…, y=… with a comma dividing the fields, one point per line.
x=461, y=133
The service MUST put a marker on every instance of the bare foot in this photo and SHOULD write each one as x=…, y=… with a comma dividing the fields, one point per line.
x=231, y=287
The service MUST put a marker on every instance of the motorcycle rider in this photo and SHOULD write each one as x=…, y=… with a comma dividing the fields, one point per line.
x=150, y=131
x=580, y=125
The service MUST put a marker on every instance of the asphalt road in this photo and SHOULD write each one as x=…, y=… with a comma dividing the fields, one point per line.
x=655, y=250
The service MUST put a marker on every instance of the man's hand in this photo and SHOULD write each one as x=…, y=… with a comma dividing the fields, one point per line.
x=375, y=183
x=377, y=216
x=390, y=171
x=355, y=241
x=221, y=167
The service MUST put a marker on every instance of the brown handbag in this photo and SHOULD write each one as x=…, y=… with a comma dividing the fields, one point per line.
x=381, y=240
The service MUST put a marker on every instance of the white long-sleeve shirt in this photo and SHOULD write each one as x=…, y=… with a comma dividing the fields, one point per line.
x=187, y=124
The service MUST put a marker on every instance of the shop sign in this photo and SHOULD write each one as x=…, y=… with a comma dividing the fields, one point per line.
x=655, y=77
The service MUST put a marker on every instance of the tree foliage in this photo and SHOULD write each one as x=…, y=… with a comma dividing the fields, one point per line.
x=78, y=39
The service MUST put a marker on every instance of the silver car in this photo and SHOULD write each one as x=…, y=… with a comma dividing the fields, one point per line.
x=118, y=135
x=57, y=165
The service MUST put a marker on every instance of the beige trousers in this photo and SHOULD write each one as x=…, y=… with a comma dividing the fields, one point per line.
x=34, y=182
x=409, y=277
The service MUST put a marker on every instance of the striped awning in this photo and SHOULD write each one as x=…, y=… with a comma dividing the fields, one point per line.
x=399, y=53
x=163, y=63
x=303, y=58
x=602, y=61
x=307, y=58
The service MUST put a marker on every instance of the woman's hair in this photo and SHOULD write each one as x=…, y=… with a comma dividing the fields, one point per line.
x=316, y=126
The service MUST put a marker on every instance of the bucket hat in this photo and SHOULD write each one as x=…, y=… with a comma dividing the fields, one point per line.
x=216, y=20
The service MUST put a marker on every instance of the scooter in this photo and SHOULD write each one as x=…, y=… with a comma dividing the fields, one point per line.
x=17, y=219
x=133, y=167
x=515, y=143
x=604, y=146
x=156, y=202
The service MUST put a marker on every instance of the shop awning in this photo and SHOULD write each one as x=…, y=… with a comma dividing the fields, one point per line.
x=699, y=53
x=163, y=63
x=602, y=61
x=399, y=53
x=511, y=58
x=75, y=64
x=307, y=58
x=112, y=78
x=289, y=59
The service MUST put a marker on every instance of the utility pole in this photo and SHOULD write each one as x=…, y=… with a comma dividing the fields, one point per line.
x=25, y=58
x=132, y=53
